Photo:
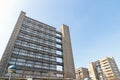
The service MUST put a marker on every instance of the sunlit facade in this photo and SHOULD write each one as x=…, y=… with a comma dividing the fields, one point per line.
x=82, y=73
x=104, y=69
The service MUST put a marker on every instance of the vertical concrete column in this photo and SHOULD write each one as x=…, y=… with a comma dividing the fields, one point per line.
x=68, y=62
x=92, y=70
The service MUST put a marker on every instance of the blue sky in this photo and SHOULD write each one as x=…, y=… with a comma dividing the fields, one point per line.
x=94, y=24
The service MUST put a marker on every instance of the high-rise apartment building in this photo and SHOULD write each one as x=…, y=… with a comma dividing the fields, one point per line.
x=82, y=73
x=104, y=69
x=38, y=50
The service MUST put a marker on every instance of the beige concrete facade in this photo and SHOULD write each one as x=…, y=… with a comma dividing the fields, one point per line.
x=82, y=73
x=104, y=69
x=69, y=70
x=92, y=70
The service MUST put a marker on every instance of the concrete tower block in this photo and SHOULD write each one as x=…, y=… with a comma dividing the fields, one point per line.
x=68, y=62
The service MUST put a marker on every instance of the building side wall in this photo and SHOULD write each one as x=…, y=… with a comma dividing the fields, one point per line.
x=92, y=70
x=69, y=70
x=82, y=73
x=85, y=73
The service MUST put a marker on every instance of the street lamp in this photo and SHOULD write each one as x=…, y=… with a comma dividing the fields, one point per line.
x=11, y=70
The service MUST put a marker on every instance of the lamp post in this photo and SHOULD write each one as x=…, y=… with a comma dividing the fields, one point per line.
x=11, y=70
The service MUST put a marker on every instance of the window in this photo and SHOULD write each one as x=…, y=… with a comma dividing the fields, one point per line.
x=20, y=63
x=21, y=60
x=23, y=52
x=12, y=62
x=29, y=65
x=38, y=55
x=15, y=52
x=13, y=59
x=18, y=42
